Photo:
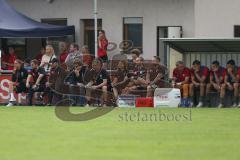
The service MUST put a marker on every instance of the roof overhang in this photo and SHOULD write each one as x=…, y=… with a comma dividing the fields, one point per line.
x=186, y=45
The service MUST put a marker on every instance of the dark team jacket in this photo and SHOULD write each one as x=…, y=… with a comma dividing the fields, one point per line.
x=99, y=77
x=35, y=74
x=153, y=71
x=20, y=76
x=73, y=79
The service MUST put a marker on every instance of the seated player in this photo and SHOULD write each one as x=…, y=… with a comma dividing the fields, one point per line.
x=138, y=77
x=135, y=53
x=217, y=74
x=121, y=79
x=181, y=80
x=154, y=77
x=99, y=81
x=231, y=81
x=18, y=83
x=199, y=80
x=75, y=80
x=36, y=81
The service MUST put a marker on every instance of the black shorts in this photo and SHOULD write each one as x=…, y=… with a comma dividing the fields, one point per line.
x=21, y=88
x=104, y=59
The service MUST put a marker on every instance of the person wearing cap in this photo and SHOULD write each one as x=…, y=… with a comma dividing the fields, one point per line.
x=52, y=85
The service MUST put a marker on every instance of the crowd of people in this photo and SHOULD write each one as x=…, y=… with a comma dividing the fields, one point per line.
x=88, y=80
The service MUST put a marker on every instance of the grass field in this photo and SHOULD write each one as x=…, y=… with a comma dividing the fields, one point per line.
x=37, y=134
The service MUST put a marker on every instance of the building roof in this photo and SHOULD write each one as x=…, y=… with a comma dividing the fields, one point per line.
x=185, y=45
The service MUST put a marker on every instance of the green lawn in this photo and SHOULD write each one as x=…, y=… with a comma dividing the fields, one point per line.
x=35, y=133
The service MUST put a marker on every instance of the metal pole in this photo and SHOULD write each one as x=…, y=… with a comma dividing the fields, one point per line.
x=96, y=27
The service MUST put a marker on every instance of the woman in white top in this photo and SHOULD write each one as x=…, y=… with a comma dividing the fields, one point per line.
x=47, y=57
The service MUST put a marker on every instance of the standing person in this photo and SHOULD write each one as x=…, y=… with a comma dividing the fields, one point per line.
x=155, y=76
x=47, y=57
x=63, y=52
x=87, y=56
x=40, y=55
x=9, y=59
x=199, y=80
x=74, y=54
x=181, y=80
x=217, y=75
x=36, y=80
x=18, y=83
x=231, y=82
x=102, y=48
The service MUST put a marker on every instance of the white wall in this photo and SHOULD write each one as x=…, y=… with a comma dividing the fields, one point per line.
x=216, y=18
x=154, y=12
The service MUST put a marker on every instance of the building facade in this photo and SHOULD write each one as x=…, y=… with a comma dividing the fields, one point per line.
x=142, y=21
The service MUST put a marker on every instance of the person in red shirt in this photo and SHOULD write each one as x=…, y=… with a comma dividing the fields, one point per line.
x=9, y=59
x=181, y=79
x=102, y=48
x=199, y=79
x=217, y=74
x=231, y=83
x=63, y=51
x=40, y=55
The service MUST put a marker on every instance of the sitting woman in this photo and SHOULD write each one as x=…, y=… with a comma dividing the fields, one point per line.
x=47, y=58
x=18, y=83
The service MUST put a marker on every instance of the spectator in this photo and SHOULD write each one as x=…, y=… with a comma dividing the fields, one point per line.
x=135, y=53
x=75, y=80
x=199, y=80
x=100, y=81
x=121, y=79
x=55, y=72
x=72, y=56
x=47, y=57
x=87, y=57
x=102, y=48
x=8, y=59
x=40, y=55
x=155, y=76
x=231, y=83
x=18, y=83
x=63, y=51
x=27, y=65
x=36, y=81
x=138, y=79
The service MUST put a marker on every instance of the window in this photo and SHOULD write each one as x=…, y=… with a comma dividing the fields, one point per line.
x=55, y=40
x=19, y=45
x=133, y=31
x=237, y=31
x=89, y=33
